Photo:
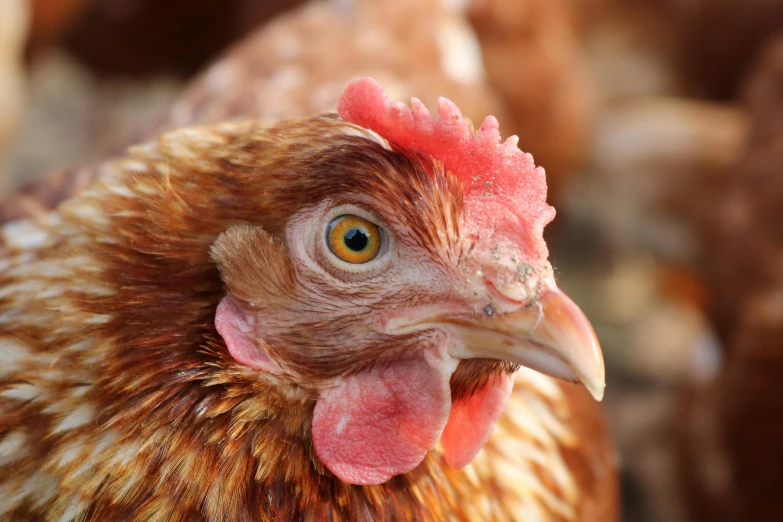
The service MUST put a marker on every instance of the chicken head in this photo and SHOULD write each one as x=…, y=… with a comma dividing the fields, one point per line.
x=403, y=282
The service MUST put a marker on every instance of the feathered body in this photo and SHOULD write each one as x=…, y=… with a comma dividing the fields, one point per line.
x=119, y=400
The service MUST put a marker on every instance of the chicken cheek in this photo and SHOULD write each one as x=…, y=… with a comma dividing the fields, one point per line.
x=381, y=423
x=471, y=421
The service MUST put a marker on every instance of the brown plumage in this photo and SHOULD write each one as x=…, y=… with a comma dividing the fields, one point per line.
x=716, y=66
x=119, y=399
x=730, y=420
x=290, y=68
x=533, y=58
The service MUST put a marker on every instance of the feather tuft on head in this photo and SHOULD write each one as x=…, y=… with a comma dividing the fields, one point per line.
x=487, y=168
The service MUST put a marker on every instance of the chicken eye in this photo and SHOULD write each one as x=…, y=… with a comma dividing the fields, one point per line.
x=353, y=239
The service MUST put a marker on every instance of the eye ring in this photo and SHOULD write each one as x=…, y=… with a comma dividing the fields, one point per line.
x=354, y=239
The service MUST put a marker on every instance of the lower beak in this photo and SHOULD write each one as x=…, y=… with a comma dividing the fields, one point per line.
x=552, y=336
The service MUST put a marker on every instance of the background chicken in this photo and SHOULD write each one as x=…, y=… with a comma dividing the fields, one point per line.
x=715, y=66
x=290, y=69
x=199, y=335
x=533, y=59
x=731, y=428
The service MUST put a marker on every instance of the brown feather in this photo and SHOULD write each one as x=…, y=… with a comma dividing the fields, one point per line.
x=118, y=400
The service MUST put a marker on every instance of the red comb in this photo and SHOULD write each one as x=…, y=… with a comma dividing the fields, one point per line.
x=485, y=166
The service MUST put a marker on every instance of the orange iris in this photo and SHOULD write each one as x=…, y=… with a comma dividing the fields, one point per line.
x=354, y=239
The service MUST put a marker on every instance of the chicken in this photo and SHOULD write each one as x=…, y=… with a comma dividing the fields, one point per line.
x=290, y=68
x=179, y=36
x=656, y=157
x=305, y=320
x=717, y=65
x=730, y=428
x=535, y=61
x=298, y=65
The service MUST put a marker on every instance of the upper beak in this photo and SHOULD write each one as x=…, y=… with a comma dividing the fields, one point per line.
x=552, y=336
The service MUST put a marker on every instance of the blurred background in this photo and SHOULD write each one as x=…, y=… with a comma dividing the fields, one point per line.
x=659, y=122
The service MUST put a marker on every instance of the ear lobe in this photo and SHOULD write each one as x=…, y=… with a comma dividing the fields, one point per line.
x=253, y=264
x=257, y=269
x=235, y=327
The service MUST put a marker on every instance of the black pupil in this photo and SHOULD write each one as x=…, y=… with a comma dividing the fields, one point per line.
x=356, y=239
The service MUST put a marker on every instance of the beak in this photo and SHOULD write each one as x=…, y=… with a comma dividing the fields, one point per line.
x=552, y=336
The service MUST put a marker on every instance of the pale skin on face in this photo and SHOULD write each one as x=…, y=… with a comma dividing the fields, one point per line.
x=407, y=297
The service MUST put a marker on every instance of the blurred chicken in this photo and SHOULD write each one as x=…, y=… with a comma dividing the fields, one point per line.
x=656, y=157
x=13, y=31
x=534, y=59
x=731, y=427
x=298, y=65
x=180, y=36
x=718, y=40
x=307, y=320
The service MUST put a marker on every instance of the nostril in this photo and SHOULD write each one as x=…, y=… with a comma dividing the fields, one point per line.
x=503, y=297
